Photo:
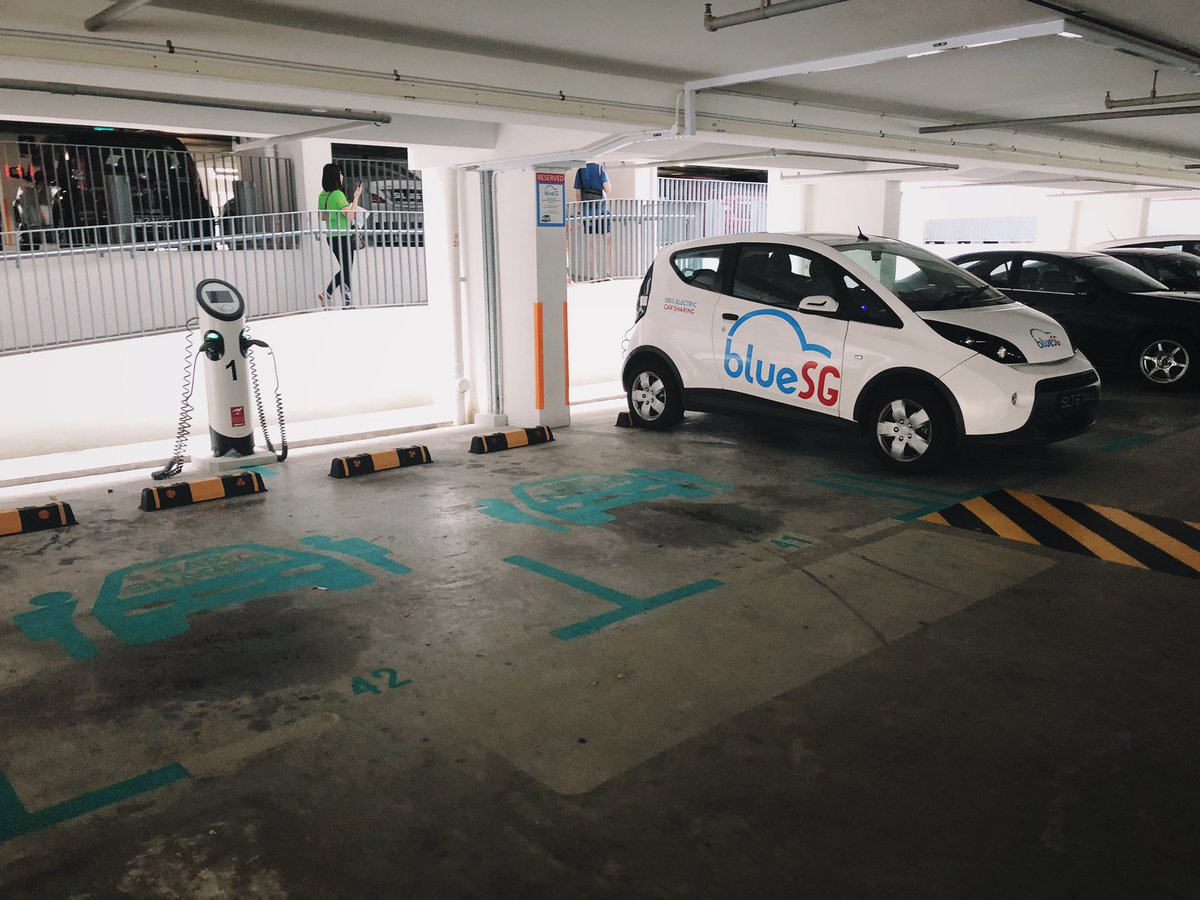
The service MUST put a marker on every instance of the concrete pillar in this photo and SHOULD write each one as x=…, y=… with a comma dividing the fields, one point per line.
x=843, y=205
x=785, y=203
x=532, y=280
x=443, y=273
x=308, y=158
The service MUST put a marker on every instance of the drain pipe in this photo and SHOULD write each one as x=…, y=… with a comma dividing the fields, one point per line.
x=112, y=13
x=491, y=292
x=766, y=10
x=453, y=188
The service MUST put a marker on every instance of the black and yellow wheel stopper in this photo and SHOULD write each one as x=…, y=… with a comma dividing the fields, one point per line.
x=366, y=463
x=184, y=493
x=508, y=440
x=36, y=518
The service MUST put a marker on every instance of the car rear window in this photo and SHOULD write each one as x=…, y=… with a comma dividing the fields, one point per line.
x=701, y=266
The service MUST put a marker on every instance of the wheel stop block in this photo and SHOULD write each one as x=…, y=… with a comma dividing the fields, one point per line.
x=366, y=463
x=185, y=493
x=509, y=440
x=624, y=420
x=36, y=518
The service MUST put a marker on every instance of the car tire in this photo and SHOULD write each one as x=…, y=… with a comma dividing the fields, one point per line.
x=655, y=400
x=910, y=428
x=1166, y=363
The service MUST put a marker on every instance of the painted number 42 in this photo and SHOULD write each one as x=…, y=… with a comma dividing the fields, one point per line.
x=365, y=686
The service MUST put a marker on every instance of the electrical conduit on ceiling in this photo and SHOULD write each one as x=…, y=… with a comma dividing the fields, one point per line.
x=766, y=10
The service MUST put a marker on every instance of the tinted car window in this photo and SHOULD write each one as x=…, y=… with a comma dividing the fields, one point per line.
x=994, y=273
x=701, y=267
x=1118, y=275
x=1050, y=276
x=782, y=276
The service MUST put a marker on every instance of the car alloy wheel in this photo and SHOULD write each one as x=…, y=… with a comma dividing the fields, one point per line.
x=654, y=399
x=913, y=430
x=1164, y=363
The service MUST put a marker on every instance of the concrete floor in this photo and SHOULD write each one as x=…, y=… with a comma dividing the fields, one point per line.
x=801, y=689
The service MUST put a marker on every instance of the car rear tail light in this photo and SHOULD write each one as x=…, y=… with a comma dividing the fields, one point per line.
x=375, y=198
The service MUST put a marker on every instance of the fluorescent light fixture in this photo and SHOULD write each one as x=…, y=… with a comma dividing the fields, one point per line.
x=924, y=53
x=989, y=43
x=225, y=171
x=1069, y=34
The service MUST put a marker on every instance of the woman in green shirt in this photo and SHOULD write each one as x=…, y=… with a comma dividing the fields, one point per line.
x=338, y=214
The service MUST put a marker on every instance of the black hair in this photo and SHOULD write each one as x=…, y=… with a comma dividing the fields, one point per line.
x=331, y=177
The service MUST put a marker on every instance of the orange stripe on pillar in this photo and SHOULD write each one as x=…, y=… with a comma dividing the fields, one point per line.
x=539, y=351
x=566, y=360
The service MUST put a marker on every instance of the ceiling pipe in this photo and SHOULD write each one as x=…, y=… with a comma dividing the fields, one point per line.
x=766, y=10
x=112, y=13
x=579, y=155
x=1110, y=103
x=932, y=167
x=866, y=58
x=1015, y=124
x=111, y=93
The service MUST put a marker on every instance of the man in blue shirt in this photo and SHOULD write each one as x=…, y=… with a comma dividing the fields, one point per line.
x=591, y=186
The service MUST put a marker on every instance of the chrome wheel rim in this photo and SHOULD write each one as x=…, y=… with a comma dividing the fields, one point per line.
x=648, y=394
x=1164, y=362
x=904, y=430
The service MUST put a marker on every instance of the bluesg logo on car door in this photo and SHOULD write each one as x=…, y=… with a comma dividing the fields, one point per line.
x=775, y=359
x=1044, y=339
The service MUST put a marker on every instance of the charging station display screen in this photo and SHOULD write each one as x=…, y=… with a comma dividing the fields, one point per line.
x=220, y=299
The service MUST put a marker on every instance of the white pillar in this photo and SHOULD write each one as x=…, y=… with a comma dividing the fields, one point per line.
x=785, y=203
x=843, y=205
x=532, y=280
x=443, y=274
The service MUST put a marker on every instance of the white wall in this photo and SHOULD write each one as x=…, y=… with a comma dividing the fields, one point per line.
x=1173, y=217
x=843, y=205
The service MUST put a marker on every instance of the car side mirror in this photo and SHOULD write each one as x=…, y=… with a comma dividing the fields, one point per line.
x=818, y=303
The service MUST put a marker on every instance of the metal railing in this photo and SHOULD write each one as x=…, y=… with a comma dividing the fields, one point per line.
x=51, y=190
x=98, y=283
x=391, y=193
x=619, y=238
x=733, y=207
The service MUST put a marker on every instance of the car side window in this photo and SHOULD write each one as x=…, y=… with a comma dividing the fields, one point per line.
x=1048, y=276
x=783, y=276
x=701, y=267
x=996, y=273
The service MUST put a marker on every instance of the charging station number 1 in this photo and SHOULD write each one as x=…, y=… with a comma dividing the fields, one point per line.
x=232, y=367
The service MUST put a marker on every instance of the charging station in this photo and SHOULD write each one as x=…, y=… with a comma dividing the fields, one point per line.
x=229, y=377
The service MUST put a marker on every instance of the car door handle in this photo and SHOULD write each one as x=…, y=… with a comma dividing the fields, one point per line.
x=732, y=317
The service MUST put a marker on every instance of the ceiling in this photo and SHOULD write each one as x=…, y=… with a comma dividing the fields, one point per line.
x=620, y=65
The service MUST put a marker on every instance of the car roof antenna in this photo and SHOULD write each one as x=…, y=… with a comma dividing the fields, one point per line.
x=861, y=236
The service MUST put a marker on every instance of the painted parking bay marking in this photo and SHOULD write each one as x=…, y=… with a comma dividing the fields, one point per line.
x=627, y=605
x=1116, y=535
x=585, y=497
x=927, y=499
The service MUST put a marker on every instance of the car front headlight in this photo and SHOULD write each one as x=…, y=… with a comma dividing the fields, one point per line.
x=984, y=344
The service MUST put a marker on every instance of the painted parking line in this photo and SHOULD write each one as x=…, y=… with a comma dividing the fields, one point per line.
x=1131, y=539
x=627, y=605
x=927, y=500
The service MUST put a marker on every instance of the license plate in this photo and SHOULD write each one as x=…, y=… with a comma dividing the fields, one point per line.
x=1078, y=398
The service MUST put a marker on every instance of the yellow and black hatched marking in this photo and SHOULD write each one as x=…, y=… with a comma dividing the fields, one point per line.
x=366, y=463
x=36, y=518
x=1131, y=539
x=183, y=493
x=507, y=440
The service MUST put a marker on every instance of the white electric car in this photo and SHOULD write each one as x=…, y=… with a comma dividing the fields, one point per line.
x=917, y=353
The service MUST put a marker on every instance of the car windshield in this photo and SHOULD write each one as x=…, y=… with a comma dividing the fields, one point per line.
x=923, y=281
x=1118, y=275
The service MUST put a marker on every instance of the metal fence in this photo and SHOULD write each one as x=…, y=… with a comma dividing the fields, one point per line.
x=96, y=283
x=56, y=194
x=618, y=238
x=732, y=207
x=392, y=197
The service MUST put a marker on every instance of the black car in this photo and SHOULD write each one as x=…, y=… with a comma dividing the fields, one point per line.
x=1179, y=271
x=1114, y=313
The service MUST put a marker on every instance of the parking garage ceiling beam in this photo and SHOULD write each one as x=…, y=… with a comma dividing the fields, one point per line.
x=1036, y=122
x=866, y=58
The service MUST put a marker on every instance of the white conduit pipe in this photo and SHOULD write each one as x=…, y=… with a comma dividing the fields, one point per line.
x=112, y=13
x=766, y=10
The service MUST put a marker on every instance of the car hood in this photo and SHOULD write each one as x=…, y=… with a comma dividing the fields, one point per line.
x=1034, y=333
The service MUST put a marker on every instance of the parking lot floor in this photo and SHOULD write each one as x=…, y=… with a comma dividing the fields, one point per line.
x=734, y=660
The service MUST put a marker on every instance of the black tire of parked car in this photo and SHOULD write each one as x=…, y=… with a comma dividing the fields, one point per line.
x=655, y=399
x=909, y=427
x=1166, y=362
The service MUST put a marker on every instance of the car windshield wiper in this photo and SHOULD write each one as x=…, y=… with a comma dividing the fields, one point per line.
x=965, y=294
